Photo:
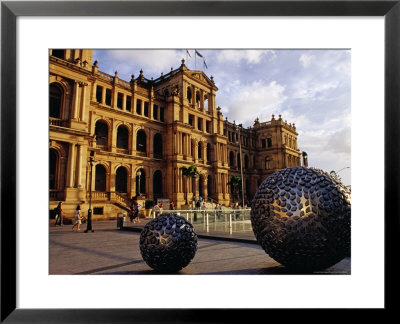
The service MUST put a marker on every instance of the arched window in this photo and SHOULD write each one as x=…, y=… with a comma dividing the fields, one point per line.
x=53, y=159
x=199, y=150
x=198, y=99
x=123, y=138
x=121, y=180
x=141, y=141
x=56, y=96
x=189, y=94
x=208, y=152
x=238, y=160
x=267, y=163
x=246, y=161
x=140, y=182
x=101, y=131
x=100, y=178
x=231, y=159
x=206, y=101
x=157, y=145
x=209, y=186
x=157, y=183
x=201, y=189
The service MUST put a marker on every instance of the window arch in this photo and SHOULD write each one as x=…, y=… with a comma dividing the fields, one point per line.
x=209, y=186
x=123, y=137
x=157, y=145
x=121, y=180
x=101, y=131
x=189, y=94
x=198, y=102
x=231, y=159
x=141, y=140
x=140, y=182
x=56, y=99
x=100, y=178
x=246, y=161
x=206, y=101
x=208, y=152
x=157, y=183
x=53, y=162
x=267, y=163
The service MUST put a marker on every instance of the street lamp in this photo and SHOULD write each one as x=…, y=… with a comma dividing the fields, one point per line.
x=139, y=174
x=241, y=164
x=89, y=219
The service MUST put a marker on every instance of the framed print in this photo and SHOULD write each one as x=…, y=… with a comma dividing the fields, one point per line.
x=31, y=292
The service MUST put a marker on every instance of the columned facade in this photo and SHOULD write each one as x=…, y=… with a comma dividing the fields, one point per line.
x=141, y=134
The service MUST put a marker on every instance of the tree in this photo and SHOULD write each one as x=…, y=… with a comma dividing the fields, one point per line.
x=236, y=185
x=190, y=172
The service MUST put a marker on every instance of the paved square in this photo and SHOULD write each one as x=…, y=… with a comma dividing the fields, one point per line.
x=109, y=250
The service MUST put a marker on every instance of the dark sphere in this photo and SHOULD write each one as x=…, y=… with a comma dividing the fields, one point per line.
x=168, y=243
x=301, y=218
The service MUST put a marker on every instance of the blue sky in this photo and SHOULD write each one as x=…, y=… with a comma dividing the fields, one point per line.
x=311, y=88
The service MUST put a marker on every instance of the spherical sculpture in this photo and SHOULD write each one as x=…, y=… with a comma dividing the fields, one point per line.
x=168, y=243
x=301, y=218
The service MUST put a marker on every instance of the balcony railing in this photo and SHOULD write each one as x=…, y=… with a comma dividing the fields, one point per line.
x=58, y=122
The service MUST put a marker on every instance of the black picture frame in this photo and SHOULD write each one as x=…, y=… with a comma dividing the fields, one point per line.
x=10, y=10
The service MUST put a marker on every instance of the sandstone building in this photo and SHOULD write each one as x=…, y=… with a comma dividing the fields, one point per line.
x=140, y=133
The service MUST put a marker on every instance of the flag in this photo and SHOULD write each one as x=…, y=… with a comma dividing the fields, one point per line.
x=198, y=53
x=204, y=61
x=187, y=52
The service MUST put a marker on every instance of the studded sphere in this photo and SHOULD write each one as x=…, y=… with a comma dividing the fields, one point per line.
x=168, y=243
x=301, y=218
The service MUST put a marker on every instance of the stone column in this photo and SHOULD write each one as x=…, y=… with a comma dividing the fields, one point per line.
x=124, y=102
x=78, y=168
x=74, y=113
x=71, y=165
x=83, y=104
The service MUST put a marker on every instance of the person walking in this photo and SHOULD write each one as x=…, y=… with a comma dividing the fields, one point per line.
x=59, y=215
x=132, y=211
x=136, y=213
x=78, y=218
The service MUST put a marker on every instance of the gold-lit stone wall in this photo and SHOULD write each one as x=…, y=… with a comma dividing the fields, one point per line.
x=155, y=127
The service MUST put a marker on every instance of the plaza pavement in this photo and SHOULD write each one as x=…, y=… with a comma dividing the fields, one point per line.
x=109, y=250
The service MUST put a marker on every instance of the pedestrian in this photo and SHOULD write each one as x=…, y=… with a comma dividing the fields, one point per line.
x=78, y=218
x=132, y=211
x=200, y=198
x=203, y=205
x=136, y=213
x=171, y=205
x=197, y=207
x=59, y=215
x=156, y=210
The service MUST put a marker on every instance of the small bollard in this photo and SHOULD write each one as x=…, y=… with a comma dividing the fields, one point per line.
x=207, y=222
x=120, y=220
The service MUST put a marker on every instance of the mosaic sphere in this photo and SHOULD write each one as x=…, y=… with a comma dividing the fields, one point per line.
x=301, y=218
x=168, y=243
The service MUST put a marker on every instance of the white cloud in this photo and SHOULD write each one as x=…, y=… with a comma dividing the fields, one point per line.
x=251, y=100
x=249, y=56
x=307, y=91
x=306, y=59
x=151, y=61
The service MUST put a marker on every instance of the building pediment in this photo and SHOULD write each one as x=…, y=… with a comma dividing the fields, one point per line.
x=201, y=77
